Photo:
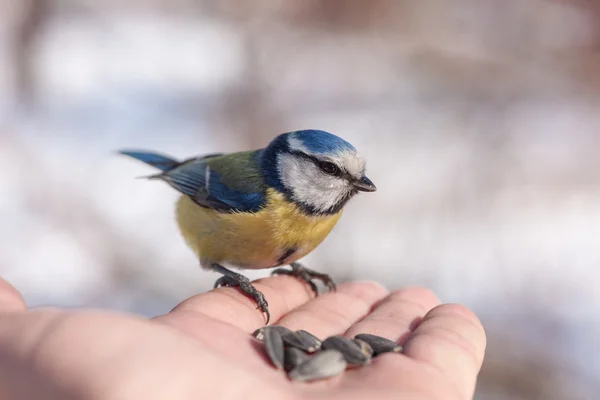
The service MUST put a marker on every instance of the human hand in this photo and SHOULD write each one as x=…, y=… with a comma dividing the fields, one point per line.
x=203, y=348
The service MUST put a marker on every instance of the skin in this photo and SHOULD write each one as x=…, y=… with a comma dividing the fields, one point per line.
x=202, y=348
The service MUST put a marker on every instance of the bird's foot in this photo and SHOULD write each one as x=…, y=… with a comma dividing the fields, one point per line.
x=231, y=278
x=301, y=272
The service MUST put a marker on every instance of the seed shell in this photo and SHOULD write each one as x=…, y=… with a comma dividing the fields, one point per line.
x=324, y=364
x=309, y=337
x=260, y=332
x=379, y=344
x=351, y=350
x=274, y=347
x=300, y=342
x=364, y=347
x=293, y=358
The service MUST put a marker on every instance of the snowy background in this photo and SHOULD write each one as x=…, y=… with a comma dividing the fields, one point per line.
x=479, y=120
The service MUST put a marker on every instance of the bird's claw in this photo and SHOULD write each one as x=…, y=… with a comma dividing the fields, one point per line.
x=307, y=275
x=246, y=287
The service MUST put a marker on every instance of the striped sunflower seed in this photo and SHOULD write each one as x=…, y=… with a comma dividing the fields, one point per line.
x=324, y=364
x=260, y=332
x=364, y=347
x=300, y=342
x=273, y=341
x=309, y=337
x=293, y=358
x=379, y=344
x=351, y=350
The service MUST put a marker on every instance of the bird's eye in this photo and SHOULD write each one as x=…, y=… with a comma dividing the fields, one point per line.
x=329, y=168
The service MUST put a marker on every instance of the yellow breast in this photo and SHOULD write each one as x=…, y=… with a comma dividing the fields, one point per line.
x=252, y=240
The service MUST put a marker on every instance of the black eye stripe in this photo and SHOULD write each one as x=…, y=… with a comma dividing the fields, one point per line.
x=340, y=172
x=305, y=156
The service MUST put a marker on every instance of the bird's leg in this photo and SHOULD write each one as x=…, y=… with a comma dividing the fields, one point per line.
x=231, y=278
x=301, y=272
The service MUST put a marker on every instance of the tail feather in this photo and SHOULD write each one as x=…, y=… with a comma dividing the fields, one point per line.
x=160, y=161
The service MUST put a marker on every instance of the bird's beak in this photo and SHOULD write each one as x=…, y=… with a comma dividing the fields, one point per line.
x=364, y=184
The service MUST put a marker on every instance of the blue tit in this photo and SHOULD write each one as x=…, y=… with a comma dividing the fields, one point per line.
x=263, y=208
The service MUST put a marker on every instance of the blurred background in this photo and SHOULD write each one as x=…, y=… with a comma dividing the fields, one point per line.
x=479, y=120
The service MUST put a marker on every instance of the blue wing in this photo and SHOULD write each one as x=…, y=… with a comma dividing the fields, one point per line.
x=226, y=183
x=160, y=161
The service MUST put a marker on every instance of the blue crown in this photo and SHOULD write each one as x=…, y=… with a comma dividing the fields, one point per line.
x=321, y=142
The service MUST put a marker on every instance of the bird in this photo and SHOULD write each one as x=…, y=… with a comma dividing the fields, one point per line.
x=263, y=208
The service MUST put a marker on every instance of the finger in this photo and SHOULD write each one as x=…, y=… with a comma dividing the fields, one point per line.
x=10, y=298
x=229, y=305
x=59, y=355
x=397, y=315
x=451, y=339
x=333, y=312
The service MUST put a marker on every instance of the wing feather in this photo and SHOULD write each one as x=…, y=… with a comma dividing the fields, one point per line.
x=226, y=183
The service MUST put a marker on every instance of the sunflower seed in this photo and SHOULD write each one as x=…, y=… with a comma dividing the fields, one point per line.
x=324, y=364
x=300, y=342
x=351, y=350
x=364, y=347
x=274, y=346
x=293, y=358
x=260, y=332
x=379, y=344
x=314, y=341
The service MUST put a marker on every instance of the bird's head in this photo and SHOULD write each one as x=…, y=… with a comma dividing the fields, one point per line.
x=315, y=169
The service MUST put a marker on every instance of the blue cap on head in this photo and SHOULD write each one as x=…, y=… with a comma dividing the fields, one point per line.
x=321, y=142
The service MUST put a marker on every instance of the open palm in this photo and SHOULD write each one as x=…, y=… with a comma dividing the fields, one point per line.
x=203, y=348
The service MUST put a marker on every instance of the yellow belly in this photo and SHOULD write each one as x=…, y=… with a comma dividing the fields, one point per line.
x=252, y=240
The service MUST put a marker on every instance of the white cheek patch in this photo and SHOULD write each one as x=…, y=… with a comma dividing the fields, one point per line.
x=309, y=185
